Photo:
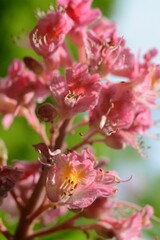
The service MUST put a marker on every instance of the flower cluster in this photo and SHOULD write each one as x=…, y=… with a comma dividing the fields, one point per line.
x=70, y=177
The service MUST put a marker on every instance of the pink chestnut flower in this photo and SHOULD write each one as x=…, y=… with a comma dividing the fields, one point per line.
x=82, y=15
x=115, y=109
x=18, y=81
x=123, y=112
x=18, y=92
x=50, y=32
x=107, y=52
x=80, y=11
x=75, y=182
x=141, y=123
x=78, y=92
x=22, y=85
x=127, y=228
x=121, y=103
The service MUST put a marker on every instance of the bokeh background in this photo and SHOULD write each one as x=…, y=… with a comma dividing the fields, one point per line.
x=138, y=22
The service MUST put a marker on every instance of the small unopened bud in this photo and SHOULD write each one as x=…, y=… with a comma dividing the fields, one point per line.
x=33, y=65
x=103, y=231
x=46, y=112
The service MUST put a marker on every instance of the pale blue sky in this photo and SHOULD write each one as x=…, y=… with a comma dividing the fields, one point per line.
x=138, y=22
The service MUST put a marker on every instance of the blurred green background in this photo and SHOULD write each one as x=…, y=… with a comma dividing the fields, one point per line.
x=18, y=18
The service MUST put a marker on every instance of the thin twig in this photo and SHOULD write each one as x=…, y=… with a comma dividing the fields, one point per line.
x=78, y=125
x=39, y=211
x=62, y=134
x=65, y=225
x=17, y=199
x=33, y=203
x=84, y=142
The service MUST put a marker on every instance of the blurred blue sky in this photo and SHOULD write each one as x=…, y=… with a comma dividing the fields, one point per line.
x=138, y=22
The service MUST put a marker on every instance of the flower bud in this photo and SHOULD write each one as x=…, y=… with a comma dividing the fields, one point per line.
x=46, y=112
x=33, y=65
x=103, y=231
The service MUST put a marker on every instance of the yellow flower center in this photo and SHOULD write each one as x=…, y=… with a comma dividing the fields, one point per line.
x=71, y=178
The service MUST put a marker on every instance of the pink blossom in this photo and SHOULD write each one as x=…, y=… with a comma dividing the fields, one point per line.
x=127, y=228
x=115, y=109
x=50, y=32
x=75, y=182
x=144, y=66
x=22, y=84
x=78, y=92
x=18, y=92
x=16, y=84
x=82, y=15
x=79, y=11
x=142, y=122
x=107, y=52
x=123, y=111
x=125, y=64
x=104, y=29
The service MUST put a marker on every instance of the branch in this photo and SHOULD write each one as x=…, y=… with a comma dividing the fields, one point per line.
x=35, y=201
x=17, y=200
x=78, y=125
x=84, y=142
x=63, y=226
x=39, y=211
x=62, y=134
